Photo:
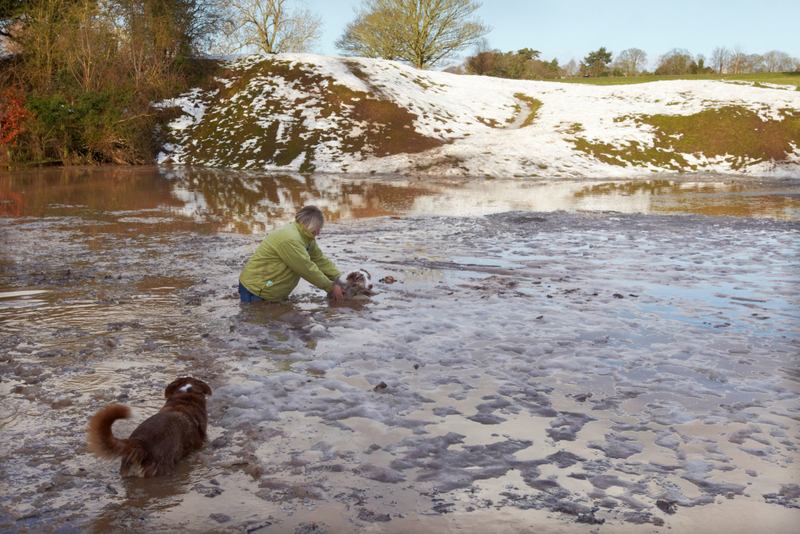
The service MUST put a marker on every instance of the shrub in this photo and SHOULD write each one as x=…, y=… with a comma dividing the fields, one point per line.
x=13, y=116
x=91, y=129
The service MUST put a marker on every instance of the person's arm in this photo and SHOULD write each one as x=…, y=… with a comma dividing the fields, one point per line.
x=295, y=256
x=321, y=260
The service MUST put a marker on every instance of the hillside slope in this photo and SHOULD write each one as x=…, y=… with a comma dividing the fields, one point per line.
x=308, y=113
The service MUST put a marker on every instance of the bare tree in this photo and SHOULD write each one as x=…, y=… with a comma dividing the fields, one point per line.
x=777, y=61
x=148, y=43
x=422, y=33
x=272, y=26
x=676, y=61
x=631, y=61
x=719, y=59
x=37, y=37
x=754, y=63
x=738, y=59
x=371, y=34
x=571, y=68
x=89, y=44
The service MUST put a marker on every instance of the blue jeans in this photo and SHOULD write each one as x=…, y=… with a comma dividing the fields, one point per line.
x=246, y=296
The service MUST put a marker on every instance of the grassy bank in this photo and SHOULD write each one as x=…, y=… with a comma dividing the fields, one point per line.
x=733, y=134
x=322, y=114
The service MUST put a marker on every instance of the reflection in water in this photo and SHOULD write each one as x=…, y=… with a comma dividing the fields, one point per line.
x=57, y=191
x=735, y=199
x=15, y=299
x=139, y=494
x=256, y=202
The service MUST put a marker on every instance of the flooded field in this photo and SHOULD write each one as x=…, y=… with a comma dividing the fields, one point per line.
x=573, y=356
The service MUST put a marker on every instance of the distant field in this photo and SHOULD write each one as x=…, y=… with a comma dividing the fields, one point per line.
x=782, y=78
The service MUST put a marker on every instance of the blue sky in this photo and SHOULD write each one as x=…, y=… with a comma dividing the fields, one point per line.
x=570, y=29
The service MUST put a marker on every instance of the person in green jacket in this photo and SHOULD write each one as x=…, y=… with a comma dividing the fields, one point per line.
x=286, y=255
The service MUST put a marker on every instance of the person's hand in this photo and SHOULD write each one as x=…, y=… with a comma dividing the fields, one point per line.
x=337, y=293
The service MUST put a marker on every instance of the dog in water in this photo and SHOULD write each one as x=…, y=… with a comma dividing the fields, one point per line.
x=355, y=283
x=161, y=440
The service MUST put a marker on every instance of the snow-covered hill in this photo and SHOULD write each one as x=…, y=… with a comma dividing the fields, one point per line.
x=306, y=113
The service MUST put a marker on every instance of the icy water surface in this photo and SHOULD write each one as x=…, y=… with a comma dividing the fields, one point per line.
x=568, y=357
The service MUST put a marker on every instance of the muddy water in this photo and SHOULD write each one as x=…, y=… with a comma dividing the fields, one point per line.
x=555, y=355
x=252, y=202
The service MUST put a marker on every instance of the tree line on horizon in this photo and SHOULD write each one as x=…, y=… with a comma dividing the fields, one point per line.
x=78, y=78
x=525, y=64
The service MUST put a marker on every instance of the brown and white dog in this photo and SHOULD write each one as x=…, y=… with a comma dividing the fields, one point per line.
x=161, y=440
x=355, y=283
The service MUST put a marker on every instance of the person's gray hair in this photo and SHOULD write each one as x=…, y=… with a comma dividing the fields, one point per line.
x=311, y=218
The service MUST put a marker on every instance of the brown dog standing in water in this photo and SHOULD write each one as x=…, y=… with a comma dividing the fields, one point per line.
x=161, y=440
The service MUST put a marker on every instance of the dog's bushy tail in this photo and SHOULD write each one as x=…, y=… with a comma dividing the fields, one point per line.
x=102, y=441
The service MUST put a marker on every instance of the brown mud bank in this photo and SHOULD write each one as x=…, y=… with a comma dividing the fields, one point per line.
x=559, y=371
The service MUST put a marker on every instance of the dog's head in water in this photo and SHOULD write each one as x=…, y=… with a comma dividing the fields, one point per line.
x=355, y=283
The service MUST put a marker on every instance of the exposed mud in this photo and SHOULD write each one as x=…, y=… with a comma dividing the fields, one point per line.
x=527, y=372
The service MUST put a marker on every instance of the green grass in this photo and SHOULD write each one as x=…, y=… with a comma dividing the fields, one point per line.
x=780, y=78
x=491, y=123
x=733, y=132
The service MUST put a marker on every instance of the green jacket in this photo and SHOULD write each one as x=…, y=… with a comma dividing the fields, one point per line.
x=282, y=258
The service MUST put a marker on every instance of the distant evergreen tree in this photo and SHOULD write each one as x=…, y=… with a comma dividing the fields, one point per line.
x=596, y=63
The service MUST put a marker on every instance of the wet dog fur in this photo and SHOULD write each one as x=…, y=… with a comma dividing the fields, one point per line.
x=160, y=441
x=355, y=283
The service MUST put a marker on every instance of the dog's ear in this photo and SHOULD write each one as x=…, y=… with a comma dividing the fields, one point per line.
x=172, y=387
x=205, y=388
